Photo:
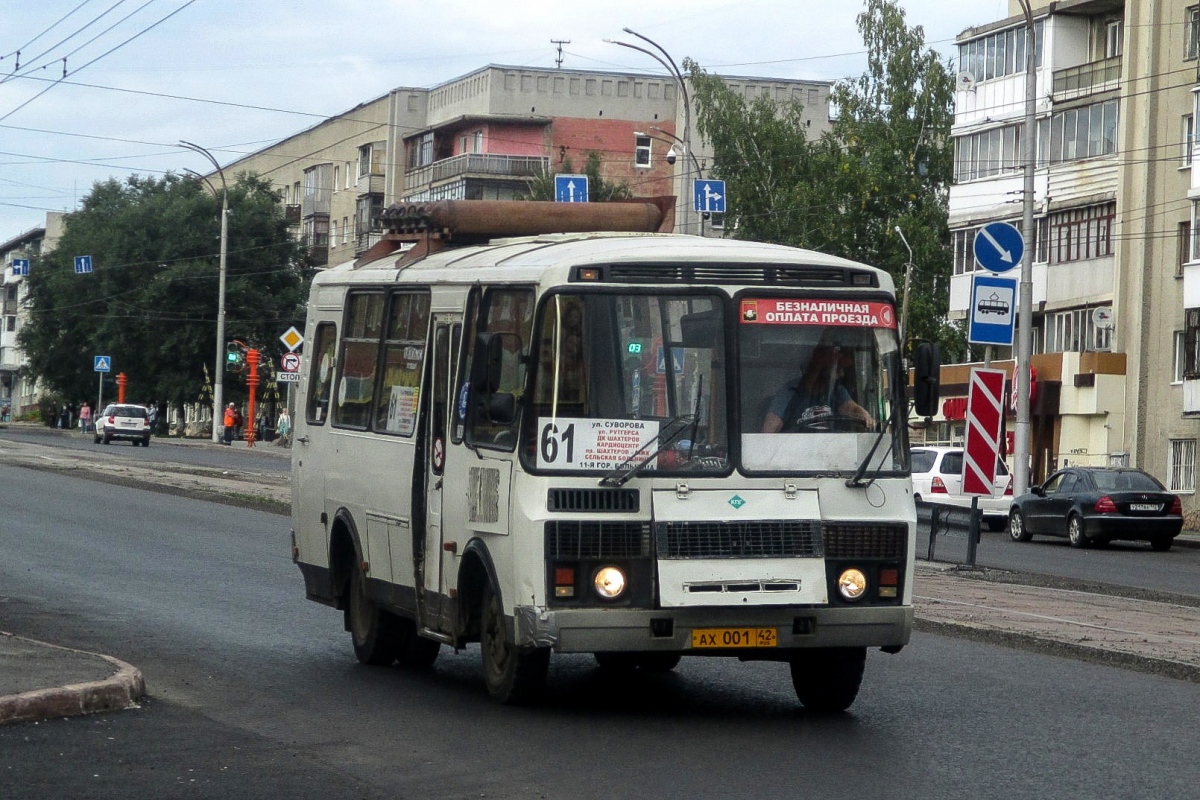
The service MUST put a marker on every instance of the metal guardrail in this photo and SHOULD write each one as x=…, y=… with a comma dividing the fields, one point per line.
x=476, y=164
x=950, y=528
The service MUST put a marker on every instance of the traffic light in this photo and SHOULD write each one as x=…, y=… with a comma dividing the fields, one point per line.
x=235, y=356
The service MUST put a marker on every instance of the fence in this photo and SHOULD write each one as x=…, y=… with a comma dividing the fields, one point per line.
x=944, y=534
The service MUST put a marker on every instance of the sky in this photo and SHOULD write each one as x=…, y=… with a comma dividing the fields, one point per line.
x=237, y=75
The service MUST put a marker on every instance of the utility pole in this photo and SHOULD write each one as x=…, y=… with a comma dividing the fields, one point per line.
x=219, y=378
x=1021, y=456
x=560, y=42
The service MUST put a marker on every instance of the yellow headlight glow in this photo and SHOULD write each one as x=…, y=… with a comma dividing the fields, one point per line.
x=609, y=582
x=852, y=584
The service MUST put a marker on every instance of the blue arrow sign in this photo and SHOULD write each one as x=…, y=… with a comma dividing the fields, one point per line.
x=20, y=266
x=571, y=188
x=993, y=310
x=709, y=196
x=102, y=363
x=999, y=247
x=83, y=264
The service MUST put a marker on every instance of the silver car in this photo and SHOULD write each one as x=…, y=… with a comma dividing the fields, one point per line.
x=123, y=421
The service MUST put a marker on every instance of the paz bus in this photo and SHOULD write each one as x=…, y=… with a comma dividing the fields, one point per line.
x=539, y=427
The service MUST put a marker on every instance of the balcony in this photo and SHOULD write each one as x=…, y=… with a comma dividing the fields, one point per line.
x=292, y=214
x=475, y=164
x=318, y=248
x=1085, y=79
x=371, y=184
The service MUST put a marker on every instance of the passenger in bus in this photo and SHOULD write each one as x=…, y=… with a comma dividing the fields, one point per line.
x=817, y=395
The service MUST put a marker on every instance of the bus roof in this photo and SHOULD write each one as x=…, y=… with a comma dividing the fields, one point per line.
x=549, y=258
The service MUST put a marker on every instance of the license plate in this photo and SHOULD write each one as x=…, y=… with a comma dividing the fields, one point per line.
x=734, y=637
x=1144, y=507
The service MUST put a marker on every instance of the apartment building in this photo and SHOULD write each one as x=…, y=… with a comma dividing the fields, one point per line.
x=1115, y=222
x=483, y=135
x=18, y=393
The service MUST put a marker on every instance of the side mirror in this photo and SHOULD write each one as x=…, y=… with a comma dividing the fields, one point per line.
x=487, y=368
x=502, y=408
x=1039, y=491
x=927, y=386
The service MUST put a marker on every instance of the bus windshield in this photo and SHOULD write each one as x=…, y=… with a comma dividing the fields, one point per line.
x=617, y=373
x=818, y=381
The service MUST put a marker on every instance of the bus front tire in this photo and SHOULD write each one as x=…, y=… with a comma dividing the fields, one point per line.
x=375, y=633
x=514, y=675
x=827, y=679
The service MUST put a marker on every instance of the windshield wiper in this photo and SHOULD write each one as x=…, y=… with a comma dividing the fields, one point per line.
x=624, y=472
x=857, y=481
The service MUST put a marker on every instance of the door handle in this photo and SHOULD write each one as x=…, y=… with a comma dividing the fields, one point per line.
x=303, y=440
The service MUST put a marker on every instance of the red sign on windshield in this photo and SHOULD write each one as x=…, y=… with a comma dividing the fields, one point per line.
x=849, y=313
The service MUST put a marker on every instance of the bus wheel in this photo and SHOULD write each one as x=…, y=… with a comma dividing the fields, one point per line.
x=375, y=633
x=417, y=651
x=647, y=662
x=827, y=679
x=514, y=676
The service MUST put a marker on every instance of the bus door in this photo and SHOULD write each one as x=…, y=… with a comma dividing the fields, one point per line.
x=428, y=545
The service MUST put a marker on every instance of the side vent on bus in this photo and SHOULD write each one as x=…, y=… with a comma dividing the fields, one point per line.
x=588, y=500
x=762, y=275
x=569, y=539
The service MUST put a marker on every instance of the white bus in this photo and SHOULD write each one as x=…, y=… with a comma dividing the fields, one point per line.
x=592, y=442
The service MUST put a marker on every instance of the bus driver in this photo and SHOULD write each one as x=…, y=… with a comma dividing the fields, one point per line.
x=815, y=396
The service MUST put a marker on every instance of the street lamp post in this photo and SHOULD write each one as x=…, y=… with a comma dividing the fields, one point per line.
x=907, y=286
x=1021, y=448
x=219, y=371
x=669, y=65
x=687, y=151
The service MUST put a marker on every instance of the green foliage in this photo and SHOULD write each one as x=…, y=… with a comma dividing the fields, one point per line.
x=151, y=301
x=887, y=162
x=541, y=186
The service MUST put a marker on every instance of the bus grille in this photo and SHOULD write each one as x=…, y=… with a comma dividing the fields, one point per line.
x=592, y=500
x=568, y=539
x=761, y=539
x=865, y=540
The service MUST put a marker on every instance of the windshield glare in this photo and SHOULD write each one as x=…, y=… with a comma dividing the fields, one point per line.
x=616, y=371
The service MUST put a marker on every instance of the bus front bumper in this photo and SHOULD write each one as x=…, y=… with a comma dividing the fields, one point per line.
x=671, y=630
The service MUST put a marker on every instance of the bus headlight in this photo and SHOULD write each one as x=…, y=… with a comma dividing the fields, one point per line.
x=609, y=582
x=852, y=584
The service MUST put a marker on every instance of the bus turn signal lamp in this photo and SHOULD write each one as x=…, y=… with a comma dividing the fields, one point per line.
x=564, y=581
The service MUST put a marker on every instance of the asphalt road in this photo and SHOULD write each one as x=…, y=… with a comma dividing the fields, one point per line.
x=254, y=692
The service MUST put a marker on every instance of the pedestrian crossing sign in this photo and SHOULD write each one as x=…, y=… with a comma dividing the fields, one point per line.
x=102, y=364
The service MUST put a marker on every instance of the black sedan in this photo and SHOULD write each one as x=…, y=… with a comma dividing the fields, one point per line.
x=1094, y=505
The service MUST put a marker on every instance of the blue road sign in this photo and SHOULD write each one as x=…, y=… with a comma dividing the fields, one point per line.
x=709, y=196
x=993, y=311
x=20, y=266
x=102, y=363
x=999, y=247
x=83, y=264
x=571, y=188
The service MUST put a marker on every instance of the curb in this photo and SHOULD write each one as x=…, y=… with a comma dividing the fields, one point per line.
x=120, y=691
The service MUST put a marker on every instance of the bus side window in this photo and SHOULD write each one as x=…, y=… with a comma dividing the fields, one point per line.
x=359, y=360
x=321, y=374
x=403, y=357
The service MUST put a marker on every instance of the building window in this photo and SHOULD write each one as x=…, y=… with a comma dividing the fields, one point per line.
x=1192, y=33
x=1084, y=132
x=1191, y=343
x=1189, y=137
x=641, y=151
x=337, y=174
x=1082, y=233
x=1183, y=241
x=10, y=323
x=999, y=54
x=1075, y=331
x=1178, y=358
x=1114, y=32
x=1181, y=466
x=982, y=155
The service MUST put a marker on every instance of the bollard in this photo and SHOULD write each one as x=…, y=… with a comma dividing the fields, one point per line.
x=973, y=530
x=933, y=526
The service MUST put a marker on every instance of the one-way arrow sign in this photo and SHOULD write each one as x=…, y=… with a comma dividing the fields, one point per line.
x=571, y=188
x=999, y=247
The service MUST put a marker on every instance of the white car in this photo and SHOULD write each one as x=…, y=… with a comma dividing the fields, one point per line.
x=937, y=478
x=123, y=421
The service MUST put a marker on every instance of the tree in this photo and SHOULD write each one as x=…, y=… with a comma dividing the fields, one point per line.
x=541, y=187
x=151, y=301
x=887, y=162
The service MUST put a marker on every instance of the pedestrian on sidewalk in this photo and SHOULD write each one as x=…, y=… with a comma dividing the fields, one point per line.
x=229, y=422
x=85, y=416
x=284, y=428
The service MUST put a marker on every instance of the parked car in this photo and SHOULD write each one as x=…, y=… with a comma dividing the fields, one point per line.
x=123, y=421
x=1094, y=505
x=937, y=478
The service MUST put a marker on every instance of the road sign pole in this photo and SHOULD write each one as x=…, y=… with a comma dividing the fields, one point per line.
x=1021, y=457
x=99, y=397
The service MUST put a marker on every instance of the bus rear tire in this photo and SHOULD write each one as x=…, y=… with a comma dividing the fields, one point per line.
x=375, y=634
x=827, y=679
x=514, y=675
